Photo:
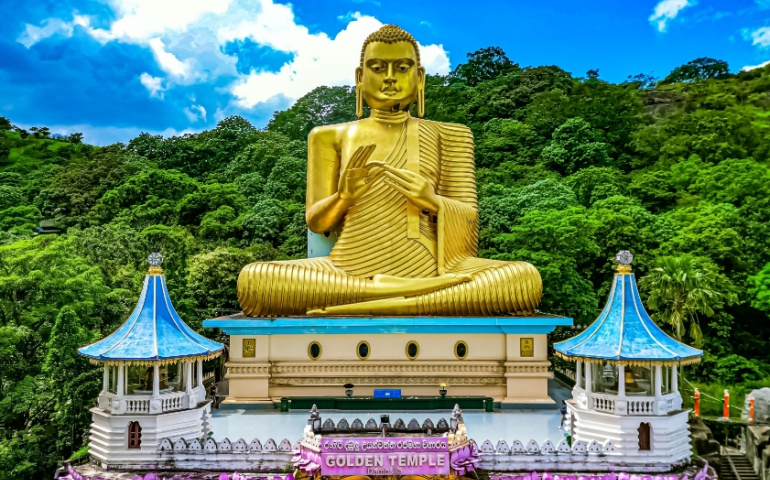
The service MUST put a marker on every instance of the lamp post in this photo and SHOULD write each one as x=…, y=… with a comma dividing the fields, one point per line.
x=442, y=390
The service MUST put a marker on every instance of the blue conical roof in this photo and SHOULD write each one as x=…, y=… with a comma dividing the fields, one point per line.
x=625, y=333
x=153, y=333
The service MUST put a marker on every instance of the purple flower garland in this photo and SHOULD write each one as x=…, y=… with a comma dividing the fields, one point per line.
x=703, y=474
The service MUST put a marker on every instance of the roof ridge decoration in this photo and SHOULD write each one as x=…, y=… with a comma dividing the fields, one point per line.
x=624, y=333
x=154, y=333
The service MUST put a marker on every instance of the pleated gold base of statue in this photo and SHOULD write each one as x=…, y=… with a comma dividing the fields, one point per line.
x=400, y=193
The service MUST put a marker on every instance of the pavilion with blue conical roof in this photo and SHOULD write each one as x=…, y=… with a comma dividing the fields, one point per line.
x=624, y=333
x=153, y=361
x=626, y=376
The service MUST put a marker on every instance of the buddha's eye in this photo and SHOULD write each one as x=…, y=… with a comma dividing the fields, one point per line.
x=376, y=68
x=403, y=67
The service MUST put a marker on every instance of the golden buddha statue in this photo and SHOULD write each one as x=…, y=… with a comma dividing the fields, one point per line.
x=401, y=193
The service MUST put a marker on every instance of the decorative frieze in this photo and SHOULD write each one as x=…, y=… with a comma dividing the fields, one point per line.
x=487, y=368
x=405, y=380
x=235, y=369
x=526, y=368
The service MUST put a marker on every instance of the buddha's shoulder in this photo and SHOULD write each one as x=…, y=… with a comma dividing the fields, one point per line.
x=329, y=133
x=457, y=129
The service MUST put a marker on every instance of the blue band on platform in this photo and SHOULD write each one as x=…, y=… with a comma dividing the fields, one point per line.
x=368, y=325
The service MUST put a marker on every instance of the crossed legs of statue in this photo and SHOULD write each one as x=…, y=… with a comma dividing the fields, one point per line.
x=317, y=287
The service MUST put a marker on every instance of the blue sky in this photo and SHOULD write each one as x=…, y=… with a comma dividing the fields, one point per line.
x=112, y=69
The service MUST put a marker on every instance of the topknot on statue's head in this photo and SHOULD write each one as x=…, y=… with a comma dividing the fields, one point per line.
x=390, y=34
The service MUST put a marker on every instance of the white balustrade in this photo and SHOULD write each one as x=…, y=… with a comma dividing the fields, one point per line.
x=139, y=404
x=641, y=406
x=172, y=401
x=635, y=405
x=603, y=403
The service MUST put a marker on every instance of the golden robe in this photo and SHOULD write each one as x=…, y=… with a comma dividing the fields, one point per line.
x=382, y=224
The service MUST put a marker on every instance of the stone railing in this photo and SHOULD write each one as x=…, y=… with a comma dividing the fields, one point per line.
x=212, y=447
x=144, y=403
x=627, y=404
x=578, y=457
x=500, y=457
x=255, y=456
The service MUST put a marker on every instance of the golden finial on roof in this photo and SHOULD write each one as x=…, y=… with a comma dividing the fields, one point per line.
x=624, y=259
x=155, y=259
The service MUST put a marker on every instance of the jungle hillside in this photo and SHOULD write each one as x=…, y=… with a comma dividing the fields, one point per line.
x=571, y=169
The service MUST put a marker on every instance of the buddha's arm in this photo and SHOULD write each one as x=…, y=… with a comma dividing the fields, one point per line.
x=324, y=207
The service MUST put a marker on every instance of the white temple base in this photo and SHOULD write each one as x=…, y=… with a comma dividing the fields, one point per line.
x=108, y=442
x=669, y=434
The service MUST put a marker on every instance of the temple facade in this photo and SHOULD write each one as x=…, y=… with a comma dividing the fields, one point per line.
x=502, y=357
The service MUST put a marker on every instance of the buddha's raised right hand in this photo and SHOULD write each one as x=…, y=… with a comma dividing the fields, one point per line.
x=357, y=177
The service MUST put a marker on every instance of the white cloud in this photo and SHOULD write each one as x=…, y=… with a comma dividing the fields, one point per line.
x=138, y=21
x=50, y=27
x=667, y=10
x=761, y=37
x=186, y=38
x=195, y=113
x=167, y=61
x=752, y=67
x=153, y=84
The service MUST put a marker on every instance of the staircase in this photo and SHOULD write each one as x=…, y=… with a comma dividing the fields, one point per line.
x=736, y=467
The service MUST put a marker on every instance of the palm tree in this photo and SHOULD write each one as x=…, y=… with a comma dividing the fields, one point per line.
x=679, y=289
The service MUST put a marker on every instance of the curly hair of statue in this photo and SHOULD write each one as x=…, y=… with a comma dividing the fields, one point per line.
x=390, y=34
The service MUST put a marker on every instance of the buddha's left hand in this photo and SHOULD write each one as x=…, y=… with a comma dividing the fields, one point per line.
x=414, y=187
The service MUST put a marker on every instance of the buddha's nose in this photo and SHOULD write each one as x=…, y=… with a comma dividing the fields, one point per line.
x=390, y=76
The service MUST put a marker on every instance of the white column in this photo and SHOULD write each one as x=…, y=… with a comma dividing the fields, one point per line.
x=589, y=378
x=674, y=380
x=621, y=380
x=200, y=374
x=106, y=379
x=578, y=373
x=121, y=380
x=658, y=381
x=155, y=381
x=188, y=377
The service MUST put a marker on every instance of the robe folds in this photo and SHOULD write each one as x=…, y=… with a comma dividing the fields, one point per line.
x=384, y=233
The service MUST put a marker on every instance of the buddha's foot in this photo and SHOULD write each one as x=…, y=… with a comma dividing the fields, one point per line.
x=382, y=306
x=390, y=286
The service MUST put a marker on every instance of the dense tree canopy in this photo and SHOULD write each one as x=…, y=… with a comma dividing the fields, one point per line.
x=570, y=170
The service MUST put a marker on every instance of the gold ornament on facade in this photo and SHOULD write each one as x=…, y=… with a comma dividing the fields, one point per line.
x=400, y=193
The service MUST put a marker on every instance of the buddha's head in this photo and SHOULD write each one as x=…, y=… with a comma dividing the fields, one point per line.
x=390, y=77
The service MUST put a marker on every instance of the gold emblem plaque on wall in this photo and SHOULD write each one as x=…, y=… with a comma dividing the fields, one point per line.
x=249, y=347
x=527, y=346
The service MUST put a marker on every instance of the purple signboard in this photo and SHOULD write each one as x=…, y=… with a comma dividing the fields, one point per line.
x=385, y=456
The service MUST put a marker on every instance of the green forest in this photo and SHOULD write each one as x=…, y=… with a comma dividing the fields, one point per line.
x=571, y=169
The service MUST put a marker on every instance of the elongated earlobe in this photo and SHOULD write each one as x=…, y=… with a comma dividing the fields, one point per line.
x=421, y=93
x=421, y=101
x=359, y=102
x=359, y=92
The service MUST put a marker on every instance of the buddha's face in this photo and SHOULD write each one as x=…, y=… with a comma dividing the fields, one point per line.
x=391, y=76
